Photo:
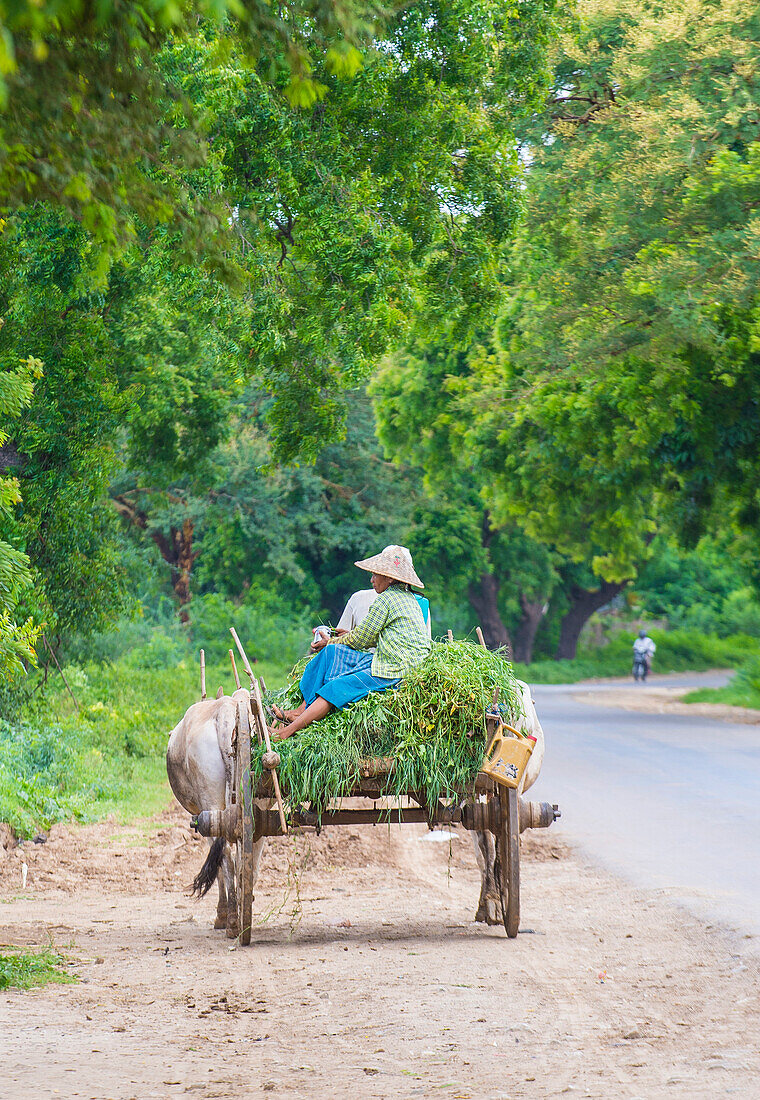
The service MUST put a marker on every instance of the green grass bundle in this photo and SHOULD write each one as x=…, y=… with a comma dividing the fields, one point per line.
x=433, y=725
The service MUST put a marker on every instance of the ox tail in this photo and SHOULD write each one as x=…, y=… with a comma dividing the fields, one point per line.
x=206, y=877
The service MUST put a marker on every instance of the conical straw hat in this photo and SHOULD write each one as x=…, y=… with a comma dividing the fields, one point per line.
x=394, y=562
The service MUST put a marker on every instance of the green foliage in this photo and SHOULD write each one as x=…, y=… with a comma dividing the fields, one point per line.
x=51, y=773
x=704, y=589
x=17, y=639
x=286, y=537
x=417, y=395
x=388, y=199
x=624, y=391
x=93, y=121
x=27, y=969
x=433, y=725
x=269, y=631
x=176, y=227
x=743, y=691
x=64, y=440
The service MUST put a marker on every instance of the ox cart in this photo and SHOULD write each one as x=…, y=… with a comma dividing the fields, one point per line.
x=255, y=809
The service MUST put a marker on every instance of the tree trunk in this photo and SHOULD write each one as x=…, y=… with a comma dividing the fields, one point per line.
x=533, y=612
x=583, y=603
x=176, y=549
x=484, y=598
x=181, y=570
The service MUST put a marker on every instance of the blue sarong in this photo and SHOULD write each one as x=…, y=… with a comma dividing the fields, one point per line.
x=341, y=675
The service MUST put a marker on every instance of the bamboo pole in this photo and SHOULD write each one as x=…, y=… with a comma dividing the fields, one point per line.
x=481, y=639
x=203, y=674
x=66, y=682
x=263, y=723
x=450, y=634
x=234, y=668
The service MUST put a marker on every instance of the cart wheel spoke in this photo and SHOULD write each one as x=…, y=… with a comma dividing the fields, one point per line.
x=508, y=854
x=244, y=846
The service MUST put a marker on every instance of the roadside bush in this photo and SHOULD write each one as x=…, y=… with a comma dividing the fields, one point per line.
x=748, y=676
x=743, y=691
x=268, y=628
x=268, y=632
x=51, y=774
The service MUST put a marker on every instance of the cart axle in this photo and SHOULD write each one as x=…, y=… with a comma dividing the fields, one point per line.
x=479, y=816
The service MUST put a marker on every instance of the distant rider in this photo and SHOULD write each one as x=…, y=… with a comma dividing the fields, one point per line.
x=644, y=648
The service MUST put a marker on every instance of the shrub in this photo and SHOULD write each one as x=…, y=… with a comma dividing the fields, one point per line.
x=268, y=631
x=51, y=773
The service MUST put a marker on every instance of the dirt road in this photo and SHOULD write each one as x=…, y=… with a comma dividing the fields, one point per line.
x=384, y=986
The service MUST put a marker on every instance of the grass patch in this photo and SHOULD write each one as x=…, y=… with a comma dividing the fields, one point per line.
x=743, y=691
x=677, y=651
x=433, y=725
x=146, y=794
x=26, y=968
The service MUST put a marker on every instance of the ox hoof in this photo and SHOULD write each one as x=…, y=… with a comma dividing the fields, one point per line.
x=489, y=912
x=233, y=930
x=221, y=920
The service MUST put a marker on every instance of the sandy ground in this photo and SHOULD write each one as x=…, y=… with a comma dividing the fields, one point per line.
x=650, y=699
x=381, y=986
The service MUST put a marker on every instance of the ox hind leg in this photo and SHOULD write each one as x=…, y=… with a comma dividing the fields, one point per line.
x=489, y=905
x=229, y=872
x=223, y=901
x=214, y=871
x=228, y=883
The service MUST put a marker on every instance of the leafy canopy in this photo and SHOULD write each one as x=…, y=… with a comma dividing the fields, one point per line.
x=626, y=385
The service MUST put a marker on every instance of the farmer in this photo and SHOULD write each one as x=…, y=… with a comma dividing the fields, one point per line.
x=356, y=610
x=343, y=671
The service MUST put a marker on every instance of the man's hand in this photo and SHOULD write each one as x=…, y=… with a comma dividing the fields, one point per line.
x=317, y=644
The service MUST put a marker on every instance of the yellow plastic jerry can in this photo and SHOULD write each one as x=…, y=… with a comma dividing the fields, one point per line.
x=507, y=756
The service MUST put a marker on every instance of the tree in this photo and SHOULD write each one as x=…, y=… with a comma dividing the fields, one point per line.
x=625, y=390
x=63, y=441
x=203, y=230
x=389, y=199
x=503, y=572
x=91, y=120
x=296, y=530
x=338, y=216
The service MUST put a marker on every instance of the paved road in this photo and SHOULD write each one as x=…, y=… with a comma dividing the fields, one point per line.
x=671, y=803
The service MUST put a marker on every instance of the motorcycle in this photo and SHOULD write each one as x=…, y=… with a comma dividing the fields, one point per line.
x=640, y=667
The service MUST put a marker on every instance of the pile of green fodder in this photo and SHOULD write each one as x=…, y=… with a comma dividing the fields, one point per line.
x=433, y=725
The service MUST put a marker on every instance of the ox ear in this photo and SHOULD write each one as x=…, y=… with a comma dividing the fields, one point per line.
x=220, y=693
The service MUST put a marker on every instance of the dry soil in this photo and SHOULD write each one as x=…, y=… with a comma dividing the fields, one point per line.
x=367, y=977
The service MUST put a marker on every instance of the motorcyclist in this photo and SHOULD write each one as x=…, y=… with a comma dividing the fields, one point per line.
x=644, y=649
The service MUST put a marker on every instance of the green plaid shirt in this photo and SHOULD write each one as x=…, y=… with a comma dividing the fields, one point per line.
x=394, y=624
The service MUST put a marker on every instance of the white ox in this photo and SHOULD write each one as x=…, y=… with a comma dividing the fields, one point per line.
x=199, y=767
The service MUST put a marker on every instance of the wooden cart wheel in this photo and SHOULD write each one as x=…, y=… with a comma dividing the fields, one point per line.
x=508, y=853
x=244, y=843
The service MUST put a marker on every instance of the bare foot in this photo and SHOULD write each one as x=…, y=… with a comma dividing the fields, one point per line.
x=286, y=715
